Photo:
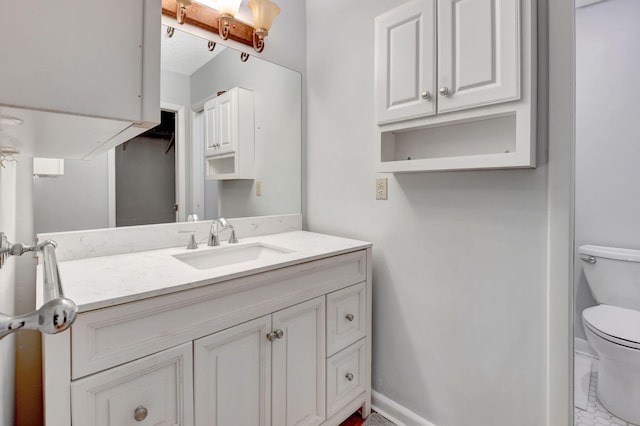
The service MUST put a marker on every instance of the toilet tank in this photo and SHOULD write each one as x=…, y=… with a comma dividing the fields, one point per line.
x=613, y=275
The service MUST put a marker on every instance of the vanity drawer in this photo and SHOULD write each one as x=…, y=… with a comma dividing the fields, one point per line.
x=345, y=377
x=112, y=336
x=346, y=317
x=154, y=390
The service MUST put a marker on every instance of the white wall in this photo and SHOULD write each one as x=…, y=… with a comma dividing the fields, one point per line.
x=460, y=258
x=607, y=148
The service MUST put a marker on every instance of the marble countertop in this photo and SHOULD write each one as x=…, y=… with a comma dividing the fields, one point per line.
x=100, y=282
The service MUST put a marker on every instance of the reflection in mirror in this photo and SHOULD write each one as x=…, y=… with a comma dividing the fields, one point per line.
x=160, y=176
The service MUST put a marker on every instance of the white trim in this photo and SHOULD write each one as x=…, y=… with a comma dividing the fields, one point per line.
x=111, y=186
x=197, y=163
x=395, y=412
x=585, y=3
x=583, y=346
x=181, y=158
x=560, y=87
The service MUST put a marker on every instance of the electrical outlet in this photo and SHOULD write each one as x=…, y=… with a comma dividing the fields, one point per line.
x=259, y=188
x=381, y=188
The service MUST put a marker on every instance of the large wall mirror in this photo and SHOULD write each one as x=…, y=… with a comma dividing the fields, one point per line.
x=161, y=176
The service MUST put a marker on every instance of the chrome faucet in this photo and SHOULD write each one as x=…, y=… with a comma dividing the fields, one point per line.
x=214, y=240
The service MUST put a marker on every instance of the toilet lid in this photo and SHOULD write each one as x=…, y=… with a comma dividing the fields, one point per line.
x=621, y=325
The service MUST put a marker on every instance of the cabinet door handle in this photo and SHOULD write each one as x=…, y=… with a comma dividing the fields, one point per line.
x=271, y=336
x=140, y=414
x=349, y=317
x=279, y=334
x=426, y=95
x=444, y=91
x=349, y=377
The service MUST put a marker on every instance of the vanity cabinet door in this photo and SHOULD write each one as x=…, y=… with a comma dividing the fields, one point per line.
x=405, y=62
x=298, y=392
x=156, y=390
x=233, y=376
x=478, y=53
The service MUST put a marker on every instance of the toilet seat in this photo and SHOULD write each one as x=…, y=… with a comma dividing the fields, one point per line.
x=617, y=325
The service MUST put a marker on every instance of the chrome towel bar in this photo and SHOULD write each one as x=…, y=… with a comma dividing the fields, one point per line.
x=58, y=312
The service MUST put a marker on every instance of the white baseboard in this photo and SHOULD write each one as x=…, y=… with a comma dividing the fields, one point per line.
x=581, y=345
x=395, y=412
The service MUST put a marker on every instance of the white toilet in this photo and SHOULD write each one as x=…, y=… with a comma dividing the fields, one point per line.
x=613, y=326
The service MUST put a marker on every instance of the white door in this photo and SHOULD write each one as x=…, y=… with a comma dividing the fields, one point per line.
x=211, y=128
x=227, y=121
x=232, y=372
x=298, y=392
x=405, y=62
x=478, y=53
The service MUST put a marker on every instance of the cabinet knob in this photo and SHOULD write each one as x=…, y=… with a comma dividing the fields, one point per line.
x=349, y=317
x=349, y=377
x=426, y=95
x=278, y=334
x=444, y=91
x=140, y=414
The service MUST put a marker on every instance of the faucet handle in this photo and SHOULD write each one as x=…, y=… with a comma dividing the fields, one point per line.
x=232, y=238
x=192, y=239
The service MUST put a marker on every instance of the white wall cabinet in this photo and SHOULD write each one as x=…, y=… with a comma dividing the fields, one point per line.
x=230, y=135
x=79, y=85
x=443, y=65
x=248, y=351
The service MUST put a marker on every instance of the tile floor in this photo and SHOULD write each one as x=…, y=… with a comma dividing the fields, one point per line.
x=596, y=414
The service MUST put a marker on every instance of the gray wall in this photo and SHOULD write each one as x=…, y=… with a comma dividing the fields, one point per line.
x=277, y=106
x=459, y=258
x=75, y=201
x=607, y=136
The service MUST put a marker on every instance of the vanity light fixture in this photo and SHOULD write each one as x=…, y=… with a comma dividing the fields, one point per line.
x=264, y=12
x=228, y=10
x=182, y=10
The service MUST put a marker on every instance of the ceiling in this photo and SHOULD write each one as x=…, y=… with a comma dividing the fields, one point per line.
x=185, y=53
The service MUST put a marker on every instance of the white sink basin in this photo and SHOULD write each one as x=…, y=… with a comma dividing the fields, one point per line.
x=229, y=255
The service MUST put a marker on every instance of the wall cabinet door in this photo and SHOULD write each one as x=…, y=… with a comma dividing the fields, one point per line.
x=298, y=389
x=478, y=53
x=211, y=132
x=405, y=62
x=233, y=376
x=228, y=121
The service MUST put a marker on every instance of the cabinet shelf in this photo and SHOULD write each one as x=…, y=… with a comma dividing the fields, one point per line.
x=482, y=142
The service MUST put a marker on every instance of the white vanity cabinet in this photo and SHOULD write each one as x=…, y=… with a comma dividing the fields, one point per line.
x=230, y=135
x=456, y=85
x=81, y=75
x=288, y=346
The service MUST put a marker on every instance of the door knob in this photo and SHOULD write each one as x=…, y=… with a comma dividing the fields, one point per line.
x=349, y=377
x=349, y=317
